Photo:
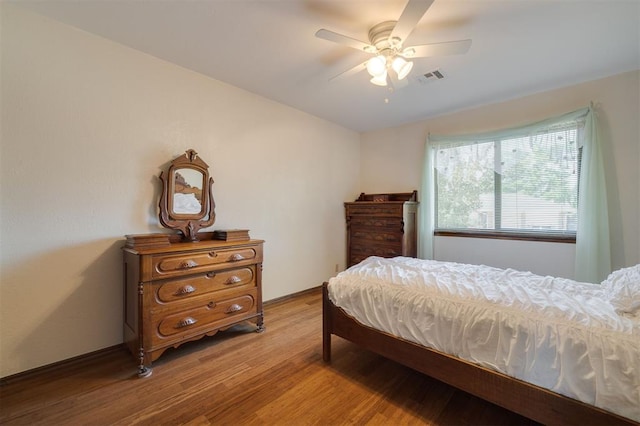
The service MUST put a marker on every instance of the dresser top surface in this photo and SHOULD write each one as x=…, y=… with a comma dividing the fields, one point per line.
x=176, y=247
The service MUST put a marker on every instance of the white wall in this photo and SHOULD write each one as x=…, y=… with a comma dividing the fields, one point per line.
x=87, y=126
x=391, y=160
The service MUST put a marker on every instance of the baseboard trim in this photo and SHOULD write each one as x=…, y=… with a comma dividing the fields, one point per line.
x=292, y=295
x=60, y=364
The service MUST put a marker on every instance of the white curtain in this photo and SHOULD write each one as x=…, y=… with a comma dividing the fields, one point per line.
x=593, y=249
x=426, y=211
x=593, y=246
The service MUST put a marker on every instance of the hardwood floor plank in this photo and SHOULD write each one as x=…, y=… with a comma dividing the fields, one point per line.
x=241, y=377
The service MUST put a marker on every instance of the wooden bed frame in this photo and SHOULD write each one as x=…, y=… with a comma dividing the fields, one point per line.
x=529, y=400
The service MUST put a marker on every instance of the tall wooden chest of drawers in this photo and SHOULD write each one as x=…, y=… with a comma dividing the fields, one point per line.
x=381, y=225
x=182, y=291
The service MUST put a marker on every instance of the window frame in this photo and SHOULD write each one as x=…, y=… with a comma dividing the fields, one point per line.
x=559, y=237
x=500, y=233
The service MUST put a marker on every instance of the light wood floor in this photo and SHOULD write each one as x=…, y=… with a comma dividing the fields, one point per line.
x=240, y=377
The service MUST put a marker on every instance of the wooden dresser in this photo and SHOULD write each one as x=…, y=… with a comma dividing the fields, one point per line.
x=181, y=291
x=381, y=225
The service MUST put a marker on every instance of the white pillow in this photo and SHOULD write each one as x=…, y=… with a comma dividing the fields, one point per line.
x=622, y=287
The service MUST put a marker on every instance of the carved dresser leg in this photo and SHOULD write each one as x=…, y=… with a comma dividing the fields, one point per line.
x=143, y=370
x=260, y=323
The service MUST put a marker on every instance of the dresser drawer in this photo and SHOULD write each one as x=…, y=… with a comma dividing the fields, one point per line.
x=204, y=284
x=375, y=209
x=206, y=316
x=165, y=266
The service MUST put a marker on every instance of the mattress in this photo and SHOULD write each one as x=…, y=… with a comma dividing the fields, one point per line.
x=577, y=339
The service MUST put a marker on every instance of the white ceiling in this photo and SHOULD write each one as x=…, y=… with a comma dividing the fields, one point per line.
x=268, y=47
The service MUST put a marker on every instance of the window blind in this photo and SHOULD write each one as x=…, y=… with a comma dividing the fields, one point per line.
x=525, y=182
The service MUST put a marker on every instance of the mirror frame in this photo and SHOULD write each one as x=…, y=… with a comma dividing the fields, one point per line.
x=187, y=224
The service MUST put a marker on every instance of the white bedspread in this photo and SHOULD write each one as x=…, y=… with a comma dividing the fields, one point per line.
x=556, y=333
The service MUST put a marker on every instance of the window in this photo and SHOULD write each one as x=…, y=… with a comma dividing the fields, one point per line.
x=523, y=185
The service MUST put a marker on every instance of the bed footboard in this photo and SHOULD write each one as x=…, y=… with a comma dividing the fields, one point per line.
x=529, y=400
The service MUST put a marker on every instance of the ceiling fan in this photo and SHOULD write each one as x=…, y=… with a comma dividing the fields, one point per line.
x=386, y=43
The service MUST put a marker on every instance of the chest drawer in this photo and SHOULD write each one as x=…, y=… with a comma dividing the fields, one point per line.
x=376, y=222
x=204, y=284
x=374, y=209
x=375, y=250
x=356, y=258
x=165, y=266
x=379, y=236
x=204, y=316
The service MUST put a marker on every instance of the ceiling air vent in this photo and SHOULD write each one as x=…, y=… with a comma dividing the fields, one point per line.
x=430, y=76
x=434, y=74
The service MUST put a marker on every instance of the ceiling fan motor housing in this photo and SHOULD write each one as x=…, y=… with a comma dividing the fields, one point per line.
x=379, y=35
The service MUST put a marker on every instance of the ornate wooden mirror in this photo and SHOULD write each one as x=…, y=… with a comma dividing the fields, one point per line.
x=186, y=203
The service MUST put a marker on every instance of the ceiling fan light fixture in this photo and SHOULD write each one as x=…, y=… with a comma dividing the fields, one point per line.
x=401, y=67
x=380, y=80
x=377, y=66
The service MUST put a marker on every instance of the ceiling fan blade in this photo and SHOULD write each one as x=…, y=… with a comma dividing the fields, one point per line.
x=351, y=71
x=438, y=49
x=411, y=15
x=346, y=41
